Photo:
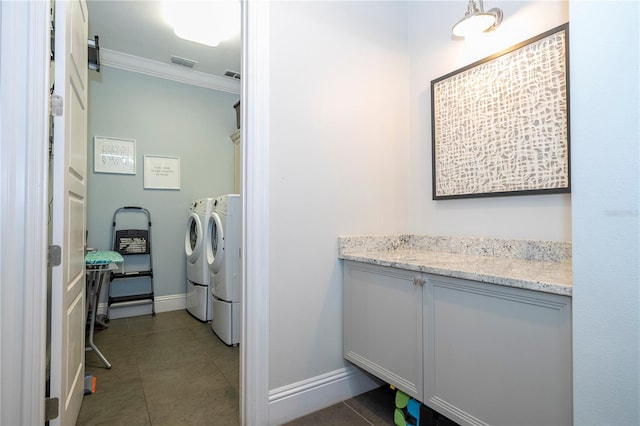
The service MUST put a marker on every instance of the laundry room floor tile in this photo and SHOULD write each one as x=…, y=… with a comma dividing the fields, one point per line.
x=170, y=369
x=117, y=399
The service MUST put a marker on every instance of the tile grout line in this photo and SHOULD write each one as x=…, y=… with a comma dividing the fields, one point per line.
x=146, y=400
x=360, y=415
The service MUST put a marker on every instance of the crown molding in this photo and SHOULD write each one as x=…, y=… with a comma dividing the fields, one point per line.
x=124, y=61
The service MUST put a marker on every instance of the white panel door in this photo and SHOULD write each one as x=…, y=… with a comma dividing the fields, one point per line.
x=68, y=312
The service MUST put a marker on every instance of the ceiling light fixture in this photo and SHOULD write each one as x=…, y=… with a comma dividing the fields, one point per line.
x=476, y=20
x=204, y=22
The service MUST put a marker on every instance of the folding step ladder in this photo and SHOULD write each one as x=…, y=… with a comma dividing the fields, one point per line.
x=135, y=247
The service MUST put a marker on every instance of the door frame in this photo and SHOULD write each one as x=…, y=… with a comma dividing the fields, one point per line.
x=254, y=146
x=24, y=52
x=24, y=152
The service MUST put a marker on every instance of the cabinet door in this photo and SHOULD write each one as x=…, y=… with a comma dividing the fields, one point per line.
x=383, y=324
x=497, y=355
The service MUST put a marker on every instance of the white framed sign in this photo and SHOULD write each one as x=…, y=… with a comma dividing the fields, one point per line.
x=161, y=172
x=111, y=155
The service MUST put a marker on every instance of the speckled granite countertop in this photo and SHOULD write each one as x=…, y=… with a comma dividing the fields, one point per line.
x=533, y=265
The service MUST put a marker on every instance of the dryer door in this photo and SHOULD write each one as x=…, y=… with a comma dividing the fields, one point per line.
x=193, y=238
x=215, y=243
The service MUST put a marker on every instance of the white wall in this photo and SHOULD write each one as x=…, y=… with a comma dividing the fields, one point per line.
x=165, y=118
x=338, y=164
x=432, y=54
x=332, y=173
x=605, y=83
x=350, y=154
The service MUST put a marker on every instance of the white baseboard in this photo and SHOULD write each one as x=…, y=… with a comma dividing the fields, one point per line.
x=299, y=399
x=172, y=302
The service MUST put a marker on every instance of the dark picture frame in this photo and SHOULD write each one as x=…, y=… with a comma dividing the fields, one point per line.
x=500, y=126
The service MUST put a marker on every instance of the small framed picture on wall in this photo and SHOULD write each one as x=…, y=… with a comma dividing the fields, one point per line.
x=113, y=155
x=161, y=172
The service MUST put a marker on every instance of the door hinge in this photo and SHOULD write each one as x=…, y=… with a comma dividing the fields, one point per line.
x=56, y=105
x=50, y=408
x=54, y=256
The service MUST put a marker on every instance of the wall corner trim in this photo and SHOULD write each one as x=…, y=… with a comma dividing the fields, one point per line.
x=124, y=61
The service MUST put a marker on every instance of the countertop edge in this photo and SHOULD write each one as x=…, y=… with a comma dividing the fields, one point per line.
x=381, y=259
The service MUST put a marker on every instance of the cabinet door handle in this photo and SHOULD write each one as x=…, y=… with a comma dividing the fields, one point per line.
x=418, y=281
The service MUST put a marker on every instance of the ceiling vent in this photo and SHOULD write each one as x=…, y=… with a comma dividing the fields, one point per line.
x=232, y=74
x=189, y=63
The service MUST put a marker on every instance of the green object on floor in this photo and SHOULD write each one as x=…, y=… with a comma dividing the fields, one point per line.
x=402, y=399
x=400, y=418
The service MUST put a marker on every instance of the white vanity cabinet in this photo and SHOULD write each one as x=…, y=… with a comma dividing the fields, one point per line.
x=477, y=353
x=383, y=324
x=497, y=355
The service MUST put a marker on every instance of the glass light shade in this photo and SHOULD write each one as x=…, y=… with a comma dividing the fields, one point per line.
x=474, y=24
x=204, y=22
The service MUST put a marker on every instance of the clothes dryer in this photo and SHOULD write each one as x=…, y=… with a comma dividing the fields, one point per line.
x=198, y=276
x=224, y=233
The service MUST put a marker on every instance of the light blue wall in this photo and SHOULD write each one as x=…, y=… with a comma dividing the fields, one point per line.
x=165, y=118
x=605, y=118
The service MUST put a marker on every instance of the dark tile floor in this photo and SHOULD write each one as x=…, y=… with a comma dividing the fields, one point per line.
x=166, y=370
x=172, y=370
x=374, y=408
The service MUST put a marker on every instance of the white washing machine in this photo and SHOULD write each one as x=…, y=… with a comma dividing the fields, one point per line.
x=198, y=276
x=224, y=236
